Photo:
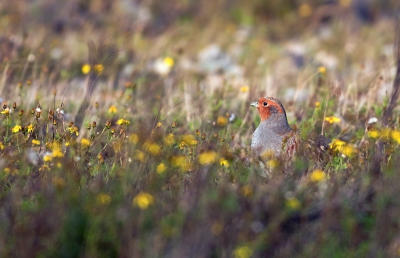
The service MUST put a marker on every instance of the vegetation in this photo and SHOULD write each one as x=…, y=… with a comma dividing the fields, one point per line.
x=126, y=126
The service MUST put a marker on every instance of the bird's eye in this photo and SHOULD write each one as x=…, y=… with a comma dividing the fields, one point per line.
x=265, y=104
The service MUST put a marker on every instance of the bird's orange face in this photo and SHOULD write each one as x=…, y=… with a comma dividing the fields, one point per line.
x=267, y=106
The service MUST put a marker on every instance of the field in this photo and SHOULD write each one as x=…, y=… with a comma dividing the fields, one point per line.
x=125, y=128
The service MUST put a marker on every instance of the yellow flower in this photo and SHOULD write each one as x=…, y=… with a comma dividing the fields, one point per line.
x=221, y=121
x=337, y=144
x=30, y=128
x=16, y=129
x=35, y=142
x=159, y=124
x=1, y=146
x=305, y=10
x=208, y=157
x=373, y=133
x=292, y=203
x=73, y=130
x=143, y=200
x=85, y=142
x=189, y=140
x=152, y=147
x=242, y=252
x=396, y=136
x=85, y=69
x=317, y=104
x=244, y=89
x=181, y=162
x=139, y=156
x=57, y=153
x=348, y=150
x=223, y=162
x=168, y=61
x=104, y=199
x=47, y=158
x=322, y=69
x=272, y=163
x=5, y=111
x=123, y=122
x=169, y=140
x=317, y=175
x=112, y=110
x=160, y=168
x=133, y=138
x=332, y=119
x=99, y=68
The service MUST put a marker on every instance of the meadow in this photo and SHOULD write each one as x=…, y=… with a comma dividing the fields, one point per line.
x=125, y=128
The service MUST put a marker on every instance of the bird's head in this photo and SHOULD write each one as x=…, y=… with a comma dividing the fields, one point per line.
x=269, y=107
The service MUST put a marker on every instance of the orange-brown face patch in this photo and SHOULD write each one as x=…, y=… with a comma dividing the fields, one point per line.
x=265, y=111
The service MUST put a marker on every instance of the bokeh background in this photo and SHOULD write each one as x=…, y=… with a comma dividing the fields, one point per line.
x=126, y=125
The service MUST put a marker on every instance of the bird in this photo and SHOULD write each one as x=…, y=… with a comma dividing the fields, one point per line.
x=274, y=133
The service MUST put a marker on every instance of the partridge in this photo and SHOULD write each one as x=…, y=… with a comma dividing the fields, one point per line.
x=274, y=133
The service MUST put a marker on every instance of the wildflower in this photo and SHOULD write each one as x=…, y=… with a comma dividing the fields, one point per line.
x=152, y=147
x=181, y=162
x=73, y=130
x=244, y=89
x=99, y=68
x=221, y=121
x=317, y=176
x=85, y=142
x=160, y=168
x=6, y=111
x=272, y=163
x=348, y=150
x=332, y=119
x=223, y=162
x=208, y=157
x=169, y=140
x=123, y=122
x=47, y=157
x=322, y=69
x=139, y=156
x=1, y=146
x=337, y=144
x=30, y=128
x=112, y=109
x=292, y=203
x=189, y=139
x=317, y=104
x=103, y=199
x=242, y=252
x=16, y=129
x=133, y=138
x=57, y=153
x=305, y=10
x=168, y=61
x=143, y=200
x=396, y=136
x=35, y=142
x=373, y=133
x=159, y=124
x=85, y=69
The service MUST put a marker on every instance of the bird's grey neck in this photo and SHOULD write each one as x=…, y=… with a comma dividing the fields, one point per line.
x=278, y=127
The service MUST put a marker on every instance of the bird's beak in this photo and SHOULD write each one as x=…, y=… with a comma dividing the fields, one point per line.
x=254, y=104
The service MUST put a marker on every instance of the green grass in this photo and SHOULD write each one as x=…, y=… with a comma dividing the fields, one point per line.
x=151, y=164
